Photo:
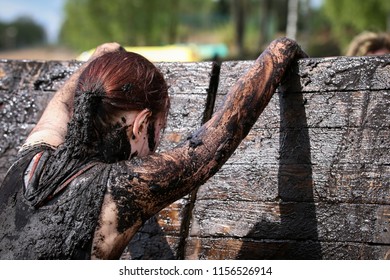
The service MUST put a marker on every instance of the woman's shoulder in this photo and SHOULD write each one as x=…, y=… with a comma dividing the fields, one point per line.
x=34, y=149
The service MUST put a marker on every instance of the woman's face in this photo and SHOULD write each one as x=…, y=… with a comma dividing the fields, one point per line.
x=144, y=136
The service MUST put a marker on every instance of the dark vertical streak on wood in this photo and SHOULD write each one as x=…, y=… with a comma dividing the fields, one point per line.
x=212, y=92
x=207, y=114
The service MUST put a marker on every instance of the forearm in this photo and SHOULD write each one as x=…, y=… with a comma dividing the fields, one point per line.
x=201, y=156
x=246, y=100
x=213, y=144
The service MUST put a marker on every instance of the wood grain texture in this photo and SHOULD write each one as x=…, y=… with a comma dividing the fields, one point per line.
x=249, y=249
x=314, y=169
x=310, y=181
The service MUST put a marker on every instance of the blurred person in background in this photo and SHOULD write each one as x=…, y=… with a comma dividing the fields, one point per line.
x=369, y=43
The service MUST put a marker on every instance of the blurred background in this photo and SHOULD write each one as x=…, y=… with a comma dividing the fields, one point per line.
x=183, y=30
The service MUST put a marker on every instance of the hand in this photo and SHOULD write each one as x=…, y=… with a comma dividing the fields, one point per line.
x=286, y=49
x=106, y=48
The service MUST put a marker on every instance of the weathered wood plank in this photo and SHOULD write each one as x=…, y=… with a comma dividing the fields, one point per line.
x=315, y=167
x=248, y=249
x=344, y=73
x=283, y=161
x=311, y=180
x=316, y=146
x=35, y=75
x=344, y=183
x=330, y=222
x=326, y=110
x=320, y=75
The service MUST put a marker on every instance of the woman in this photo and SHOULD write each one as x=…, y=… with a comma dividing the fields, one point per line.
x=87, y=177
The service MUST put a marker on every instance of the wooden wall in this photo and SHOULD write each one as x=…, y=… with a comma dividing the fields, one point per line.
x=310, y=181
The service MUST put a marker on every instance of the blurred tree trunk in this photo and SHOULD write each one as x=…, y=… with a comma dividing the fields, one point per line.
x=265, y=22
x=174, y=21
x=304, y=15
x=239, y=17
x=292, y=19
x=388, y=23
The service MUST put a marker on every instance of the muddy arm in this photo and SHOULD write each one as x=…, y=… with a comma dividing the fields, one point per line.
x=52, y=126
x=161, y=179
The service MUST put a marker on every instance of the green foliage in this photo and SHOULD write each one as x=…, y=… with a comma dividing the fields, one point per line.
x=20, y=33
x=350, y=17
x=324, y=32
x=129, y=22
x=89, y=23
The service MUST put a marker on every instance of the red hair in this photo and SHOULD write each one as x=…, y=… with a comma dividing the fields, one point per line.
x=115, y=82
x=127, y=81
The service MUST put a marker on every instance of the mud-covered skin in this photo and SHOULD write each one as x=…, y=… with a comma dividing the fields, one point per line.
x=141, y=189
x=61, y=229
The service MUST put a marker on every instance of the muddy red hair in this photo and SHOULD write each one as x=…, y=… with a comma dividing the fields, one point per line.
x=127, y=81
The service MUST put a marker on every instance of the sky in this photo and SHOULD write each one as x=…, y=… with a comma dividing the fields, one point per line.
x=47, y=13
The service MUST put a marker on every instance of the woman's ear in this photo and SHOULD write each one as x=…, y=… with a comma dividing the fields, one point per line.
x=141, y=123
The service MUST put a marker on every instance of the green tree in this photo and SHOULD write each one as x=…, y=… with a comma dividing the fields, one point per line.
x=350, y=17
x=22, y=32
x=129, y=22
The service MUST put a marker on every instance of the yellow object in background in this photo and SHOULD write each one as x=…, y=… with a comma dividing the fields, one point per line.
x=174, y=53
x=169, y=53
